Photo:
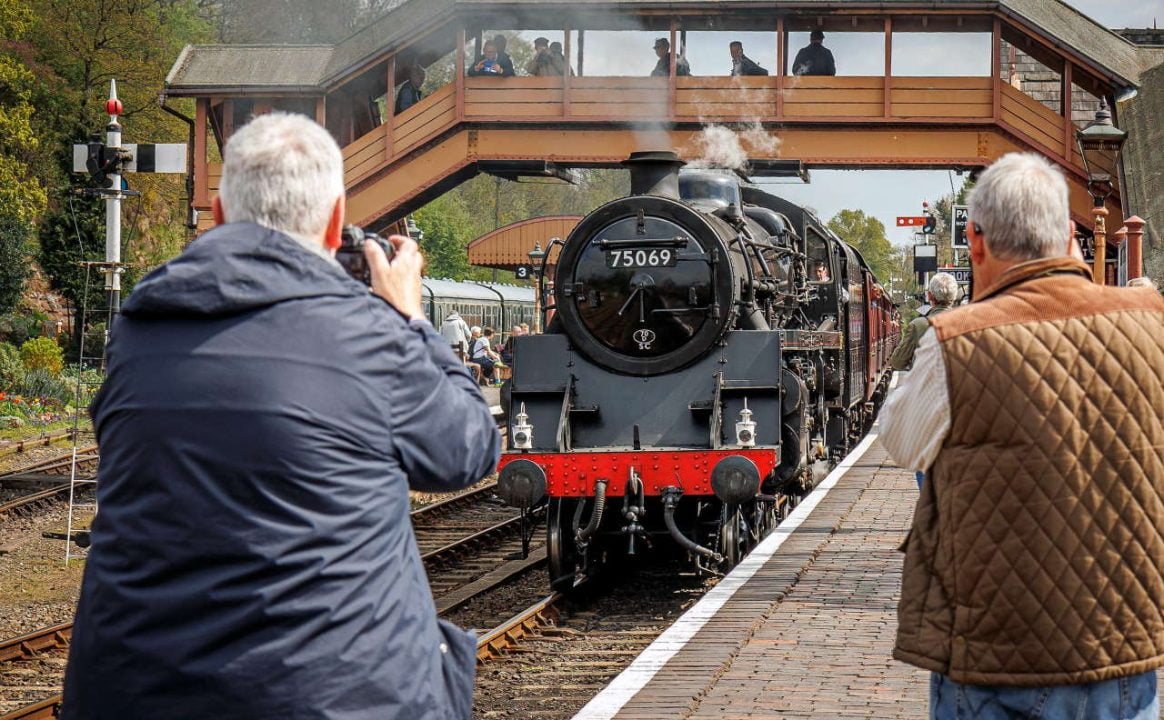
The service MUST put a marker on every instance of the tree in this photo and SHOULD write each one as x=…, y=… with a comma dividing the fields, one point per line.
x=447, y=230
x=22, y=195
x=867, y=235
x=14, y=261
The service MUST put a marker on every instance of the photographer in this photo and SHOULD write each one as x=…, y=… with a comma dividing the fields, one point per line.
x=262, y=422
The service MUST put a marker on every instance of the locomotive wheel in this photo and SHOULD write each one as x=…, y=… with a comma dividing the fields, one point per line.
x=561, y=549
x=733, y=537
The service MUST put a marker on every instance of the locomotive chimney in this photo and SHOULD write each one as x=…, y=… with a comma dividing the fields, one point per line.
x=654, y=173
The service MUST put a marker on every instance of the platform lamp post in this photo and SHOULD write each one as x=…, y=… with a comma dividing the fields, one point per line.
x=1099, y=143
x=536, y=256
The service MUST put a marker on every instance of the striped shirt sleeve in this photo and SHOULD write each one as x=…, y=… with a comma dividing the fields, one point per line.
x=916, y=418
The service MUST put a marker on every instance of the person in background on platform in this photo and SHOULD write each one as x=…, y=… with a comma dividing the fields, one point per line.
x=814, y=58
x=525, y=328
x=741, y=63
x=941, y=294
x=1034, y=569
x=482, y=352
x=262, y=421
x=1143, y=282
x=507, y=350
x=488, y=65
x=456, y=332
x=501, y=43
x=663, y=67
x=409, y=93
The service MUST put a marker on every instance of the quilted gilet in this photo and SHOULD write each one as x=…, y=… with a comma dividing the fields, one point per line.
x=1036, y=555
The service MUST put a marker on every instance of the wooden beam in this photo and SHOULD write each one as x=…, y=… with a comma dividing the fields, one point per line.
x=887, y=109
x=566, y=74
x=581, y=52
x=996, y=70
x=321, y=110
x=201, y=180
x=459, y=71
x=390, y=107
x=1068, y=124
x=781, y=65
x=672, y=93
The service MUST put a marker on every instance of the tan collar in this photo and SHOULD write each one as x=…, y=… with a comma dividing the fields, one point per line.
x=1032, y=269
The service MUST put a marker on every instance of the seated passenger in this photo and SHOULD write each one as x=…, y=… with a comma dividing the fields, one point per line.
x=741, y=63
x=488, y=64
x=482, y=352
x=507, y=349
x=663, y=67
x=814, y=58
x=409, y=93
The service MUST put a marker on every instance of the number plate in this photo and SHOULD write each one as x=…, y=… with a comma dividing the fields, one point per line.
x=642, y=258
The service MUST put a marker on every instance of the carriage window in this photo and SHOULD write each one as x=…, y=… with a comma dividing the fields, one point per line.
x=819, y=269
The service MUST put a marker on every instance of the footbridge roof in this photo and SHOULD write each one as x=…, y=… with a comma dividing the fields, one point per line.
x=206, y=68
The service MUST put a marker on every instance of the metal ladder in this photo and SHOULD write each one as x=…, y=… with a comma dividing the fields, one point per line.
x=83, y=510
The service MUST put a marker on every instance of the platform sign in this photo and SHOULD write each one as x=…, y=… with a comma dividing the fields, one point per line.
x=961, y=216
x=961, y=274
x=523, y=272
x=925, y=258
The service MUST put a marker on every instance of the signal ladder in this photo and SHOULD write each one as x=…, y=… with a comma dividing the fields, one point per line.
x=82, y=510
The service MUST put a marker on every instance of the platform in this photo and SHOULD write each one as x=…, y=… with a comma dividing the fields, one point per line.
x=804, y=627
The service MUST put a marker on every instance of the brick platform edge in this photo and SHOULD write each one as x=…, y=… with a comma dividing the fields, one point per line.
x=808, y=632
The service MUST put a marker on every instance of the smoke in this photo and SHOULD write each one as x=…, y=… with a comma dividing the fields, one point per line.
x=721, y=146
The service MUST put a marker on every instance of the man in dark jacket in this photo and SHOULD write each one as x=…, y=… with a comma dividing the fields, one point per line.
x=814, y=58
x=663, y=66
x=262, y=421
x=741, y=63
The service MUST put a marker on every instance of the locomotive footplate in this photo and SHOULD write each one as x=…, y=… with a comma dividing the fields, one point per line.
x=575, y=474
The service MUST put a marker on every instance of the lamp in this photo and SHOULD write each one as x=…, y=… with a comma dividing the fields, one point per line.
x=536, y=259
x=1099, y=145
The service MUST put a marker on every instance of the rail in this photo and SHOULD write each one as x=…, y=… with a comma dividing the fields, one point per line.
x=506, y=636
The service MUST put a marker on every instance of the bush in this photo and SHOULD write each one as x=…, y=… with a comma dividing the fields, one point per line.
x=11, y=366
x=42, y=384
x=43, y=354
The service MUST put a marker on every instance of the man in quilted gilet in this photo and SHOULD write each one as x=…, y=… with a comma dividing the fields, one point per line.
x=1033, y=583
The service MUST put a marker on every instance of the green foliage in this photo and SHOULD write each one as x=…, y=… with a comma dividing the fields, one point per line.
x=21, y=324
x=867, y=235
x=43, y=384
x=21, y=195
x=43, y=354
x=14, y=261
x=11, y=367
x=447, y=228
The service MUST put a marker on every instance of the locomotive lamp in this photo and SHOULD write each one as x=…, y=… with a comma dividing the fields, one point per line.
x=746, y=428
x=1099, y=145
x=522, y=431
x=536, y=256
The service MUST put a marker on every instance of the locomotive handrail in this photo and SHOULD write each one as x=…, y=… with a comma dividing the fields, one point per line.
x=678, y=242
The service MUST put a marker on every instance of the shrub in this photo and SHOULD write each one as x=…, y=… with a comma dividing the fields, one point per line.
x=41, y=383
x=43, y=354
x=11, y=366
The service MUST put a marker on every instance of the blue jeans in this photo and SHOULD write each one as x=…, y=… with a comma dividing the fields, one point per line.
x=1126, y=698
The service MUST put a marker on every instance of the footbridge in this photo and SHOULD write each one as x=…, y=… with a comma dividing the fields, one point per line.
x=890, y=111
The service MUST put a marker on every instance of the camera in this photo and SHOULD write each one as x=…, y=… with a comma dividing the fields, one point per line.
x=350, y=253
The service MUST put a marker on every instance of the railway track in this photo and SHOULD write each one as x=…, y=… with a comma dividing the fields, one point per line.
x=45, y=470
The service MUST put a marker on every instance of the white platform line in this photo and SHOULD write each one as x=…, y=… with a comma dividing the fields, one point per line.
x=614, y=696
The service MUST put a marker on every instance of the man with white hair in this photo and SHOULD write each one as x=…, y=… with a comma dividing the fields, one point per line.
x=262, y=422
x=1033, y=582
x=941, y=294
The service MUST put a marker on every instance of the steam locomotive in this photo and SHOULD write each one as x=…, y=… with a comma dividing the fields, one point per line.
x=714, y=350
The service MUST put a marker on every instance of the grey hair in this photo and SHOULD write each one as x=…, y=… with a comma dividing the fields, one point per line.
x=943, y=288
x=284, y=172
x=1020, y=202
